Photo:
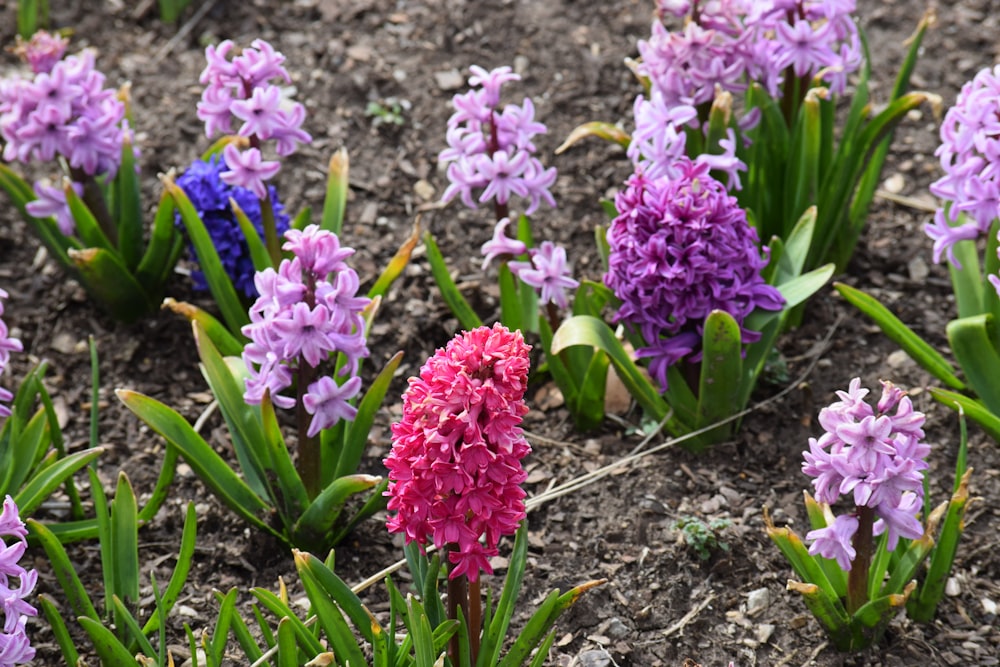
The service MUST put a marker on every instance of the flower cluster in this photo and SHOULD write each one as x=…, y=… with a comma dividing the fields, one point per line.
x=659, y=141
x=681, y=248
x=875, y=457
x=241, y=87
x=730, y=42
x=970, y=156
x=16, y=584
x=455, y=466
x=492, y=150
x=307, y=310
x=42, y=51
x=7, y=345
x=545, y=270
x=210, y=195
x=64, y=112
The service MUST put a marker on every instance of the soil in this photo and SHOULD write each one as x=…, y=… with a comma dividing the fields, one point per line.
x=662, y=604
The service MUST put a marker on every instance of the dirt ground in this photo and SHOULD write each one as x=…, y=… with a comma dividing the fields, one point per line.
x=662, y=604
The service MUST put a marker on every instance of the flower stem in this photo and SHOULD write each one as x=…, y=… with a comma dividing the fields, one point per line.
x=308, y=462
x=475, y=618
x=857, y=578
x=458, y=598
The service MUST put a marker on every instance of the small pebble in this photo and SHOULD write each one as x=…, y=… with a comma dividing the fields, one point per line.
x=894, y=184
x=449, y=80
x=952, y=588
x=595, y=658
x=758, y=600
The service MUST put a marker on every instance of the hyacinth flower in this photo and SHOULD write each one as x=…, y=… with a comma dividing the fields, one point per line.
x=701, y=303
x=753, y=87
x=232, y=182
x=455, y=478
x=967, y=220
x=491, y=158
x=89, y=214
x=861, y=566
x=306, y=342
x=16, y=586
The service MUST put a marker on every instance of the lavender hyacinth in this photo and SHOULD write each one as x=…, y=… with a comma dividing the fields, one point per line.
x=970, y=156
x=492, y=151
x=242, y=88
x=7, y=345
x=307, y=310
x=732, y=42
x=876, y=458
x=203, y=184
x=680, y=248
x=16, y=584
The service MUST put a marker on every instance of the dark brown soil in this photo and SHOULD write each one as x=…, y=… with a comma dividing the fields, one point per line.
x=662, y=604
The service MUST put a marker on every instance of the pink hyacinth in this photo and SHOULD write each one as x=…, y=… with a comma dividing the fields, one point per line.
x=455, y=466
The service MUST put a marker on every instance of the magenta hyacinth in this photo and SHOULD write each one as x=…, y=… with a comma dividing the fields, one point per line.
x=455, y=470
x=241, y=88
x=307, y=310
x=490, y=154
x=875, y=457
x=681, y=248
x=16, y=585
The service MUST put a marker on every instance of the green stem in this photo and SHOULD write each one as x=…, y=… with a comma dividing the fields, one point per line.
x=863, y=543
x=475, y=618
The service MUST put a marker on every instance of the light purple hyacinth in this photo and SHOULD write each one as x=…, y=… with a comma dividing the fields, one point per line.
x=659, y=141
x=65, y=112
x=7, y=345
x=16, y=585
x=680, y=248
x=490, y=154
x=730, y=43
x=548, y=273
x=876, y=457
x=501, y=245
x=970, y=156
x=42, y=51
x=307, y=310
x=241, y=89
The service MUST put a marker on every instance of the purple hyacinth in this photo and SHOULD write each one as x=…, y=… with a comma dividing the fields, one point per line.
x=203, y=184
x=7, y=345
x=16, y=585
x=241, y=88
x=970, y=156
x=730, y=43
x=548, y=273
x=42, y=51
x=681, y=248
x=65, y=112
x=874, y=456
x=490, y=154
x=307, y=310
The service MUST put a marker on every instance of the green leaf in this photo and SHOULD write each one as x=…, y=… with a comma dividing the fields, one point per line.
x=224, y=341
x=805, y=565
x=87, y=227
x=335, y=201
x=990, y=421
x=228, y=616
x=331, y=619
x=76, y=595
x=111, y=284
x=291, y=492
x=59, y=630
x=929, y=359
x=591, y=331
x=181, y=569
x=127, y=626
x=495, y=631
x=322, y=514
x=396, y=265
x=109, y=649
x=588, y=410
x=334, y=587
x=305, y=637
x=165, y=245
x=219, y=284
x=258, y=252
x=209, y=466
x=794, y=250
x=967, y=282
x=721, y=375
x=128, y=208
x=802, y=178
x=359, y=430
x=510, y=298
x=460, y=308
x=971, y=340
x=125, y=541
x=44, y=482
